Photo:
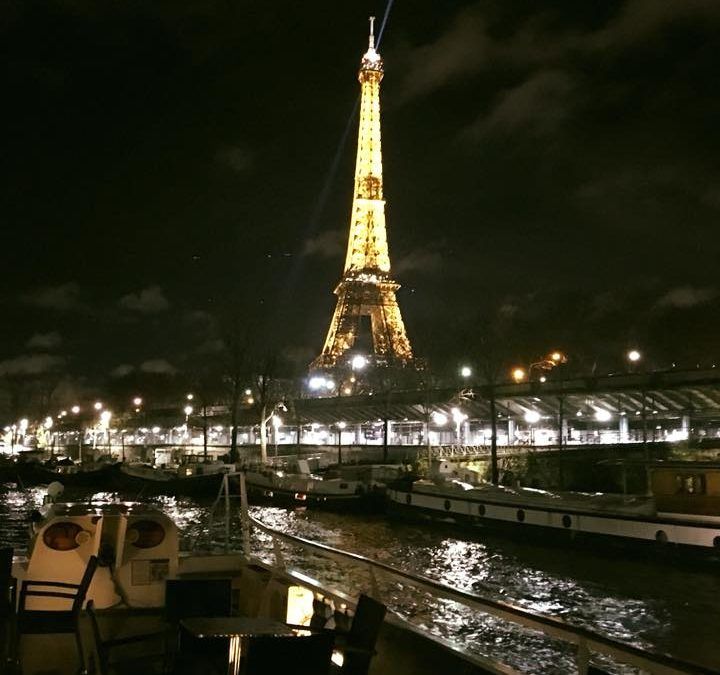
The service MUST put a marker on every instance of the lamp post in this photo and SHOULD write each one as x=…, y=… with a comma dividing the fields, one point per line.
x=340, y=427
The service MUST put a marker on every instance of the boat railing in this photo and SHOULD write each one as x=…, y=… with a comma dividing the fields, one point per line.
x=584, y=640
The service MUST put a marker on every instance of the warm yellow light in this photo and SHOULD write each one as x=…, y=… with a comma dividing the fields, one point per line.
x=518, y=374
x=75, y=409
x=557, y=357
x=97, y=405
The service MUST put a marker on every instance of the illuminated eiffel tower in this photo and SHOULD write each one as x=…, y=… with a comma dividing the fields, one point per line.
x=366, y=290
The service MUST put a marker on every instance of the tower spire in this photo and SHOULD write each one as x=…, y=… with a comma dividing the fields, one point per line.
x=366, y=290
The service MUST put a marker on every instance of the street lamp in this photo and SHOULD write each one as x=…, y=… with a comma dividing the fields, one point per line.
x=277, y=423
x=75, y=409
x=634, y=356
x=518, y=374
x=97, y=405
x=358, y=362
x=465, y=371
x=340, y=427
x=458, y=417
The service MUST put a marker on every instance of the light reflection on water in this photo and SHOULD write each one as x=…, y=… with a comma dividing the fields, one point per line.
x=670, y=609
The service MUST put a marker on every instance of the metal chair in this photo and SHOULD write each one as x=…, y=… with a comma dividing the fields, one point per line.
x=7, y=605
x=131, y=663
x=33, y=621
x=358, y=644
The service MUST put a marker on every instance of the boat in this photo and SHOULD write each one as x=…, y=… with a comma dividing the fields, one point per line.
x=98, y=475
x=191, y=477
x=141, y=564
x=342, y=488
x=571, y=517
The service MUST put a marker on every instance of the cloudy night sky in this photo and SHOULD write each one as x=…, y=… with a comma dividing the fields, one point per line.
x=549, y=165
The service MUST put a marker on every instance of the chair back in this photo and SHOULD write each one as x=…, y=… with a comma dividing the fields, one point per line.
x=188, y=598
x=97, y=638
x=57, y=589
x=296, y=654
x=6, y=585
x=364, y=631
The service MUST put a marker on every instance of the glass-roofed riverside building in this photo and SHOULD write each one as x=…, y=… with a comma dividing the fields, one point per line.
x=620, y=410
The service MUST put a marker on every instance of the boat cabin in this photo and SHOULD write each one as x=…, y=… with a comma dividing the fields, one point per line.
x=686, y=487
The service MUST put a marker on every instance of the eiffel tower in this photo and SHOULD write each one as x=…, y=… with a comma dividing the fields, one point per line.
x=366, y=290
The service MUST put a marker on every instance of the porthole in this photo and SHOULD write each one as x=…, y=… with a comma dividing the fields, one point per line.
x=145, y=534
x=661, y=537
x=566, y=520
x=63, y=536
x=408, y=498
x=447, y=505
x=520, y=515
x=481, y=509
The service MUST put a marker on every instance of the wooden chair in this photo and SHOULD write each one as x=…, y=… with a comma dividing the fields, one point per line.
x=32, y=621
x=358, y=644
x=299, y=655
x=7, y=606
x=107, y=662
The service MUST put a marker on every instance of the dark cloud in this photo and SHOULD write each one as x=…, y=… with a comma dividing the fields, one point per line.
x=62, y=298
x=122, y=370
x=421, y=260
x=49, y=340
x=539, y=105
x=32, y=364
x=687, y=296
x=150, y=300
x=330, y=244
x=157, y=367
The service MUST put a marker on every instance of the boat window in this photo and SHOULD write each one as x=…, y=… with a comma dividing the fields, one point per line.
x=145, y=534
x=690, y=483
x=62, y=536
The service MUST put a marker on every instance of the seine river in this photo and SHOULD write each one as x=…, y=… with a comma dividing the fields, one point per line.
x=671, y=609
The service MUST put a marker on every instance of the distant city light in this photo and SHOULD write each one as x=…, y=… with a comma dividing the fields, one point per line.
x=518, y=374
x=439, y=418
x=634, y=355
x=188, y=410
x=466, y=371
x=75, y=409
x=315, y=383
x=156, y=430
x=602, y=415
x=48, y=423
x=137, y=401
x=543, y=378
x=248, y=392
x=190, y=397
x=97, y=405
x=358, y=362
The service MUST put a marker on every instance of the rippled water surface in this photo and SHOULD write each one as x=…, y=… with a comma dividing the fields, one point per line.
x=669, y=608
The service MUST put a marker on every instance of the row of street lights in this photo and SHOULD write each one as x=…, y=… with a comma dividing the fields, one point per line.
x=548, y=362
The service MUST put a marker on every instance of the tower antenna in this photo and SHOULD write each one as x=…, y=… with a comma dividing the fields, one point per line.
x=371, y=40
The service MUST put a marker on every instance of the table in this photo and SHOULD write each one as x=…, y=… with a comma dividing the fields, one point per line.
x=236, y=628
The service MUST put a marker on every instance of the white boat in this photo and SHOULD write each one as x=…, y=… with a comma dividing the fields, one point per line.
x=565, y=516
x=139, y=551
x=344, y=488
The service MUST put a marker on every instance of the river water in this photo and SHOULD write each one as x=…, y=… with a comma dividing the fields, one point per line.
x=671, y=609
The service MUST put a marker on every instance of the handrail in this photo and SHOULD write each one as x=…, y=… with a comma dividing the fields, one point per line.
x=584, y=638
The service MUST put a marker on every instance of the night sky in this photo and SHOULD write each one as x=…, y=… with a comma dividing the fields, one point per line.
x=550, y=167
